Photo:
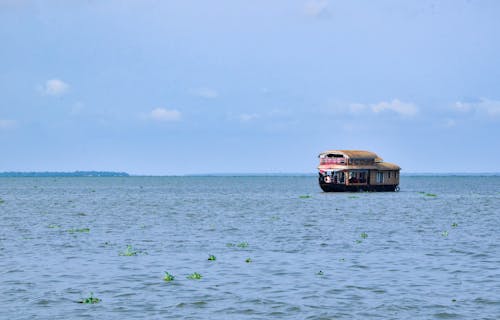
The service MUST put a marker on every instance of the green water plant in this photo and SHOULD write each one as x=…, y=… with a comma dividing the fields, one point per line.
x=444, y=233
x=243, y=244
x=53, y=226
x=248, y=260
x=353, y=197
x=128, y=252
x=2, y=200
x=90, y=300
x=229, y=245
x=168, y=277
x=364, y=235
x=454, y=225
x=212, y=257
x=359, y=241
x=305, y=196
x=87, y=230
x=427, y=194
x=194, y=276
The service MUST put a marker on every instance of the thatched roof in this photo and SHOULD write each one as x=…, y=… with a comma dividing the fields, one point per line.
x=354, y=154
x=387, y=166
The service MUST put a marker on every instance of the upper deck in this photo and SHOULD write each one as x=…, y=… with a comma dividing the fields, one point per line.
x=353, y=159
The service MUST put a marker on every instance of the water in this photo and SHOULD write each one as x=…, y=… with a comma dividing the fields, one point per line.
x=424, y=257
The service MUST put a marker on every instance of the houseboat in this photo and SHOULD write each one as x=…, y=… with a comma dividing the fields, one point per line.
x=356, y=170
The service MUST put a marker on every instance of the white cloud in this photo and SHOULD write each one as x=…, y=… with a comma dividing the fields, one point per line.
x=406, y=109
x=54, y=87
x=246, y=117
x=482, y=106
x=6, y=124
x=402, y=108
x=462, y=106
x=206, y=93
x=165, y=115
x=316, y=8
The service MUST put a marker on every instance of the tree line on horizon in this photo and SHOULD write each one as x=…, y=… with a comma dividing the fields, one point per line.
x=65, y=174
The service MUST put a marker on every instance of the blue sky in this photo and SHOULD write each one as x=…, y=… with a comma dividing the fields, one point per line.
x=180, y=87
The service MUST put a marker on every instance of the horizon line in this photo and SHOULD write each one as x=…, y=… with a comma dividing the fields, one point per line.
x=97, y=173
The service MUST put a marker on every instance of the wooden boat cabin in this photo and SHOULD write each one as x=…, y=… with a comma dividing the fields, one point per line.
x=356, y=170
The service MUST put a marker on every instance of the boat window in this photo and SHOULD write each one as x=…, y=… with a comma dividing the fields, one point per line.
x=333, y=155
x=380, y=177
x=358, y=176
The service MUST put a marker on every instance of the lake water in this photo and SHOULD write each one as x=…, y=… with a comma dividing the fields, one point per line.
x=399, y=255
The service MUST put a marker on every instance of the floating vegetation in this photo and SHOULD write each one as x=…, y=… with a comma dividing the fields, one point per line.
x=274, y=218
x=444, y=233
x=194, y=276
x=90, y=300
x=79, y=230
x=242, y=244
x=427, y=194
x=364, y=235
x=359, y=241
x=248, y=260
x=2, y=200
x=319, y=273
x=212, y=257
x=53, y=226
x=353, y=197
x=454, y=225
x=129, y=252
x=83, y=214
x=306, y=196
x=168, y=277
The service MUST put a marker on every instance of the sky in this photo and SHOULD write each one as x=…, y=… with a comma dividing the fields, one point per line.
x=193, y=87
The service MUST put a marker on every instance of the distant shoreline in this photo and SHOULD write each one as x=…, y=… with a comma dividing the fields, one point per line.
x=35, y=174
x=55, y=174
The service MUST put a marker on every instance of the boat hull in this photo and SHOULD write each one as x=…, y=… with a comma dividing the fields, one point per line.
x=331, y=187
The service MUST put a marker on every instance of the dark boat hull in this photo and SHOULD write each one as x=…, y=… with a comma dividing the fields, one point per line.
x=331, y=187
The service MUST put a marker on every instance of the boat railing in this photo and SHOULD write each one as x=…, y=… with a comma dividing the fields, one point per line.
x=333, y=161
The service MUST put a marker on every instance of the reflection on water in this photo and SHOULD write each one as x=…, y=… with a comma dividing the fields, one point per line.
x=278, y=253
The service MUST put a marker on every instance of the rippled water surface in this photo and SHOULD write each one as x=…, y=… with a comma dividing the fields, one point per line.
x=431, y=250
